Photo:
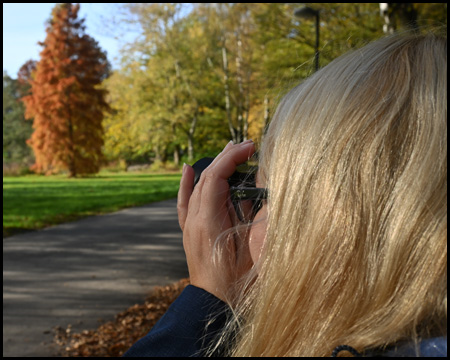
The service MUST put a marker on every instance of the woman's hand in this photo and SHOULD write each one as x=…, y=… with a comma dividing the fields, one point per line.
x=206, y=212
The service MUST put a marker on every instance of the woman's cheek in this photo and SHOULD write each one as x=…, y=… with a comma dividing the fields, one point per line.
x=258, y=234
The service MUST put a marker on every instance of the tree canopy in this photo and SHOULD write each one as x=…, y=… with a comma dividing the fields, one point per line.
x=65, y=102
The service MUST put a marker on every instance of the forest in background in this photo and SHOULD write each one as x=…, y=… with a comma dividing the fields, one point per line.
x=200, y=75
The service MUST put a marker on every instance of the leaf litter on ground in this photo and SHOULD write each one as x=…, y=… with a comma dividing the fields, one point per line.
x=114, y=338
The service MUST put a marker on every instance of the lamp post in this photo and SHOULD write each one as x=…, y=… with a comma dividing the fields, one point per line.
x=308, y=13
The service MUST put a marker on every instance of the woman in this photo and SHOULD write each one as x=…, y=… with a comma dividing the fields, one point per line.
x=350, y=247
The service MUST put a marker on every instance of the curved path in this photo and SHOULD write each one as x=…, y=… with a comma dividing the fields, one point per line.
x=81, y=272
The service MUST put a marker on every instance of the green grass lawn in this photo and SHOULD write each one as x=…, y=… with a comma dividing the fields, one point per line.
x=34, y=202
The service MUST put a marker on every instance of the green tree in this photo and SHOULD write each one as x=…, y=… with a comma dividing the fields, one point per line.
x=126, y=137
x=175, y=86
x=16, y=130
x=201, y=76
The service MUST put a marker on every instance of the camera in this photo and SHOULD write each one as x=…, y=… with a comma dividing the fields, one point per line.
x=245, y=196
x=244, y=176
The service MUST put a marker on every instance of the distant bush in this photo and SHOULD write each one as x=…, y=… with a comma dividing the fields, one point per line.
x=16, y=169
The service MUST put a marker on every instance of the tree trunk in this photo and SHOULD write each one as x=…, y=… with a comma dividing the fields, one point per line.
x=176, y=155
x=191, y=137
x=71, y=159
x=227, y=92
x=266, y=117
x=240, y=126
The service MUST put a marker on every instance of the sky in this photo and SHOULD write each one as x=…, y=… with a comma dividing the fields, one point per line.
x=24, y=26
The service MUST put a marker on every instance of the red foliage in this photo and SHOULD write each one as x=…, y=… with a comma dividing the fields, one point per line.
x=65, y=102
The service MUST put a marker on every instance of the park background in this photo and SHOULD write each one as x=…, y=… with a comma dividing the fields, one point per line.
x=194, y=77
x=185, y=80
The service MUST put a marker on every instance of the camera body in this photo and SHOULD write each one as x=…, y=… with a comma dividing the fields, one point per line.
x=246, y=198
x=243, y=176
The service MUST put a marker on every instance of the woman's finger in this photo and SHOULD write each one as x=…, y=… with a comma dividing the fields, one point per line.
x=230, y=146
x=215, y=186
x=197, y=195
x=184, y=194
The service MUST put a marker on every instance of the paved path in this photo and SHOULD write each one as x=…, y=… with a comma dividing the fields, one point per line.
x=80, y=272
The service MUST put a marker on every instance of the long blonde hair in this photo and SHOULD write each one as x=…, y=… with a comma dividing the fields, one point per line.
x=355, y=160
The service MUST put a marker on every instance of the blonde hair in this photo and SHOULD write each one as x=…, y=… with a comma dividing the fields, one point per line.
x=355, y=160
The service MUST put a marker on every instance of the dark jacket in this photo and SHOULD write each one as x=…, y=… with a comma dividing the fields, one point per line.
x=181, y=331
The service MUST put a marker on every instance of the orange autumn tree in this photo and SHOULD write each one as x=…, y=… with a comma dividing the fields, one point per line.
x=66, y=102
